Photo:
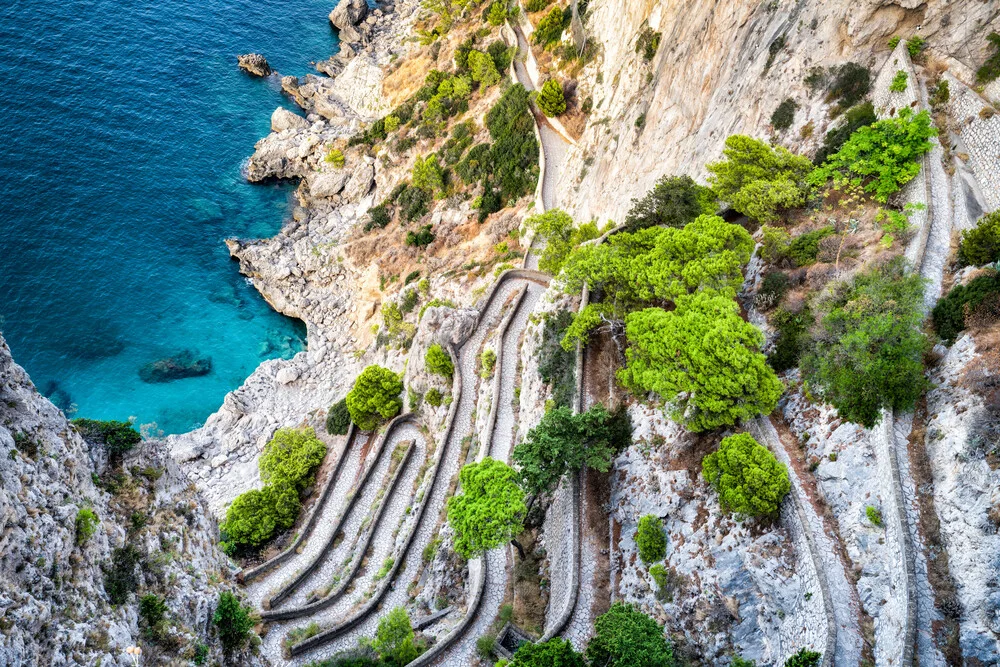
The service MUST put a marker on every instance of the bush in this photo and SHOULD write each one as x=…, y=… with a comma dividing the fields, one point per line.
x=551, y=100
x=874, y=515
x=490, y=509
x=759, y=180
x=291, y=457
x=941, y=94
x=650, y=539
x=336, y=157
x=750, y=481
x=233, y=621
x=434, y=397
x=881, y=157
x=772, y=290
x=915, y=46
x=120, y=580
x=793, y=335
x=536, y=5
x=338, y=418
x=856, y=117
x=413, y=202
x=784, y=115
x=673, y=202
x=421, y=238
x=497, y=14
x=152, y=609
x=374, y=397
x=502, y=55
x=899, y=82
x=625, y=637
x=555, y=652
x=804, y=658
x=439, y=361
x=550, y=28
x=117, y=437
x=950, y=313
x=564, y=442
x=395, y=641
x=487, y=362
x=850, y=85
x=483, y=69
x=981, y=244
x=556, y=228
x=256, y=515
x=990, y=70
x=556, y=365
x=426, y=174
x=378, y=217
x=774, y=244
x=648, y=43
x=514, y=153
x=804, y=249
x=86, y=525
x=868, y=353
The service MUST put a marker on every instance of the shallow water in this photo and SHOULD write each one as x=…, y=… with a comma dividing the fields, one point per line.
x=125, y=127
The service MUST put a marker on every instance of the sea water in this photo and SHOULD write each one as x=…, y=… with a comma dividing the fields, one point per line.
x=125, y=124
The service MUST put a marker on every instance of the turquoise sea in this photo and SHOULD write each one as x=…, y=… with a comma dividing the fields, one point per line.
x=125, y=126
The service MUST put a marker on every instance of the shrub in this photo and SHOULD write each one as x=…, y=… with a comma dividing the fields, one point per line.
x=439, y=361
x=117, y=437
x=990, y=70
x=336, y=157
x=899, y=82
x=625, y=637
x=850, y=84
x=881, y=157
x=374, y=397
x=556, y=228
x=915, y=46
x=490, y=509
x=550, y=28
x=648, y=43
x=502, y=55
x=950, y=313
x=536, y=5
x=120, y=580
x=981, y=244
x=152, y=609
x=483, y=69
x=784, y=115
x=673, y=202
x=868, y=352
x=256, y=515
x=874, y=515
x=514, y=153
x=413, y=202
x=774, y=244
x=941, y=94
x=378, y=217
x=750, y=481
x=426, y=174
x=772, y=290
x=421, y=238
x=555, y=652
x=564, y=442
x=497, y=14
x=804, y=249
x=86, y=525
x=395, y=641
x=759, y=180
x=434, y=397
x=804, y=658
x=793, y=334
x=487, y=362
x=676, y=355
x=551, y=100
x=856, y=117
x=650, y=539
x=557, y=365
x=233, y=621
x=338, y=418
x=291, y=457
x=739, y=661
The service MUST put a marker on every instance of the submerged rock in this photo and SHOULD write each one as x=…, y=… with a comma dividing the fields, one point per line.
x=254, y=64
x=185, y=364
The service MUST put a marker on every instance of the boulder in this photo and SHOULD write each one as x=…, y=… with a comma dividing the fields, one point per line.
x=254, y=64
x=348, y=13
x=184, y=364
x=328, y=184
x=282, y=119
x=361, y=182
x=287, y=375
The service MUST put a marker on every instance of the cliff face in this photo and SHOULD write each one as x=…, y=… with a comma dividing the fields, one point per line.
x=722, y=68
x=54, y=604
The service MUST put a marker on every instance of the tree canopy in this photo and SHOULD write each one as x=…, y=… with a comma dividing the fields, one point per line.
x=565, y=442
x=673, y=202
x=981, y=244
x=374, y=397
x=439, y=361
x=561, y=236
x=555, y=652
x=291, y=457
x=490, y=509
x=551, y=100
x=650, y=539
x=750, y=481
x=703, y=359
x=395, y=641
x=625, y=637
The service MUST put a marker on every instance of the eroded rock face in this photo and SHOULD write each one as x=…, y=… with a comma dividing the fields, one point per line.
x=282, y=119
x=348, y=13
x=254, y=64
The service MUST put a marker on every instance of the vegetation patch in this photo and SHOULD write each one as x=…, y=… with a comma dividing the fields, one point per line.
x=750, y=481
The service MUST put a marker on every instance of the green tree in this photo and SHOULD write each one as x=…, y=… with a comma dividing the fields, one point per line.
x=394, y=640
x=650, y=539
x=868, y=354
x=551, y=100
x=152, y=609
x=981, y=244
x=625, y=637
x=490, y=510
x=556, y=228
x=750, y=481
x=804, y=658
x=233, y=621
x=564, y=442
x=881, y=157
x=950, y=313
x=703, y=359
x=758, y=179
x=291, y=457
x=86, y=525
x=784, y=115
x=555, y=652
x=673, y=202
x=439, y=361
x=483, y=68
x=856, y=117
x=497, y=14
x=374, y=397
x=256, y=515
x=427, y=174
x=118, y=437
x=338, y=418
x=550, y=28
x=514, y=153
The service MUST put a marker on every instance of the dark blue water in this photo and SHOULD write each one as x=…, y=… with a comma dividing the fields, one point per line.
x=124, y=128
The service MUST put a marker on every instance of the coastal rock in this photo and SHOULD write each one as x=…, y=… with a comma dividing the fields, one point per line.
x=282, y=119
x=254, y=64
x=328, y=184
x=348, y=13
x=287, y=375
x=361, y=182
x=183, y=365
